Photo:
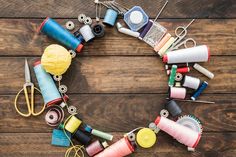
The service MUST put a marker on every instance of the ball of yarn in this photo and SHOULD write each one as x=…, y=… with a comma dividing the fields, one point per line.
x=56, y=59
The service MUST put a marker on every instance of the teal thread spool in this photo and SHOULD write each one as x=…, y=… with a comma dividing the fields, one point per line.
x=172, y=76
x=110, y=17
x=101, y=134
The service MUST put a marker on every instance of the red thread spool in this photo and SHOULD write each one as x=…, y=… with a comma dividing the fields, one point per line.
x=94, y=148
x=180, y=70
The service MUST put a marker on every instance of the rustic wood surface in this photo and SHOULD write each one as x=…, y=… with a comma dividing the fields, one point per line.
x=117, y=82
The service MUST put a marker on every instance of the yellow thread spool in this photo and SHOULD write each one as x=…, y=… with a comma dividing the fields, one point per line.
x=146, y=138
x=73, y=124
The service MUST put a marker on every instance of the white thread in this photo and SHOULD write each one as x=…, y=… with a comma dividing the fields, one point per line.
x=87, y=33
x=191, y=82
x=203, y=70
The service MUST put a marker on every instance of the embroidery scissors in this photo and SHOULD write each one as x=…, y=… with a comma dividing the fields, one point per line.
x=29, y=102
x=179, y=40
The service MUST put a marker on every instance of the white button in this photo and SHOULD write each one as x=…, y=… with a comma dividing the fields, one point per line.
x=136, y=17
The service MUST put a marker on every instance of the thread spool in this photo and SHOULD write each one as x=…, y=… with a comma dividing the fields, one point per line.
x=87, y=33
x=164, y=113
x=180, y=70
x=47, y=86
x=121, y=148
x=146, y=29
x=54, y=115
x=87, y=128
x=163, y=50
x=94, y=148
x=101, y=134
x=177, y=93
x=178, y=77
x=98, y=30
x=163, y=41
x=171, y=81
x=73, y=124
x=199, y=91
x=82, y=137
x=173, y=108
x=188, y=55
x=181, y=133
x=110, y=17
x=131, y=137
x=57, y=32
x=191, y=82
x=146, y=138
x=203, y=70
x=180, y=65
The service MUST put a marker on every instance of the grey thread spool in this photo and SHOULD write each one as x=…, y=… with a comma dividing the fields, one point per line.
x=98, y=30
x=173, y=108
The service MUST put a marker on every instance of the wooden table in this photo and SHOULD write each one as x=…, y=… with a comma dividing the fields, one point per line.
x=117, y=83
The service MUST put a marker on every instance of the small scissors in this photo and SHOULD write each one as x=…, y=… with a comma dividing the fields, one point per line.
x=30, y=105
x=180, y=36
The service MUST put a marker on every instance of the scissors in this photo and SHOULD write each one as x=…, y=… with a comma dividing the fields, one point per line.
x=29, y=102
x=179, y=40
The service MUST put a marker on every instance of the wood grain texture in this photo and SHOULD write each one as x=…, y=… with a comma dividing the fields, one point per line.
x=68, y=9
x=219, y=35
x=38, y=144
x=115, y=74
x=124, y=112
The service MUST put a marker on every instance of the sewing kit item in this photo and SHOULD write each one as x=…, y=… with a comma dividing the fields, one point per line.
x=110, y=17
x=98, y=30
x=47, y=86
x=136, y=18
x=180, y=65
x=63, y=104
x=59, y=138
x=146, y=29
x=101, y=134
x=127, y=31
x=73, y=124
x=171, y=81
x=193, y=101
x=173, y=108
x=152, y=126
x=83, y=138
x=203, y=70
x=70, y=25
x=29, y=101
x=131, y=137
x=194, y=54
x=181, y=133
x=191, y=82
x=56, y=59
x=88, y=21
x=57, y=77
x=163, y=41
x=54, y=115
x=177, y=84
x=79, y=36
x=180, y=70
x=94, y=148
x=177, y=92
x=62, y=89
x=72, y=110
x=121, y=148
x=81, y=18
x=178, y=77
x=72, y=53
x=163, y=50
x=199, y=91
x=86, y=128
x=164, y=113
x=146, y=138
x=57, y=32
x=87, y=33
x=191, y=122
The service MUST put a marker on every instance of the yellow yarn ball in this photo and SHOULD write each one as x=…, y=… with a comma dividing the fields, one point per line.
x=56, y=59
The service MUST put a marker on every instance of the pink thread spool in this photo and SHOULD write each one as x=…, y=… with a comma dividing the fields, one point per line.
x=94, y=148
x=181, y=133
x=119, y=149
x=177, y=92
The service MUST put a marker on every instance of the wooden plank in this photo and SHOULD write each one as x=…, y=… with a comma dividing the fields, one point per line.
x=123, y=112
x=65, y=9
x=19, y=37
x=115, y=74
x=38, y=144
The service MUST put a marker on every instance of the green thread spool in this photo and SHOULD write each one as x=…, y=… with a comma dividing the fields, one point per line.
x=172, y=76
x=101, y=134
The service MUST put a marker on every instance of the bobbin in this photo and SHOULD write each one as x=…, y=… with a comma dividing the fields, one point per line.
x=57, y=77
x=178, y=77
x=131, y=137
x=164, y=113
x=81, y=18
x=72, y=53
x=72, y=110
x=70, y=25
x=62, y=89
x=88, y=21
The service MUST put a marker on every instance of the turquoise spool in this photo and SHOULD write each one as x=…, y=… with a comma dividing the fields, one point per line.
x=110, y=17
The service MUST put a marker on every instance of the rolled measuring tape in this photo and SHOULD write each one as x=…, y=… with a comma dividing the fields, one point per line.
x=73, y=124
x=98, y=30
x=146, y=138
x=54, y=115
x=87, y=33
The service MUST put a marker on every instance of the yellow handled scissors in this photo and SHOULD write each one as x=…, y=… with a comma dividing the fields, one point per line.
x=29, y=102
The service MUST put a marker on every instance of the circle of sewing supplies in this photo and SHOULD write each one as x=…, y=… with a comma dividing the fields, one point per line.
x=81, y=18
x=178, y=77
x=72, y=110
x=146, y=138
x=72, y=53
x=173, y=108
x=164, y=113
x=94, y=148
x=70, y=25
x=191, y=122
x=54, y=115
x=62, y=89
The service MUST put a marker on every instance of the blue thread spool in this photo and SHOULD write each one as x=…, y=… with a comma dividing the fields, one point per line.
x=199, y=91
x=110, y=17
x=57, y=32
x=47, y=86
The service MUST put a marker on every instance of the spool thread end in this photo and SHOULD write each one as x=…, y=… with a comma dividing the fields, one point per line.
x=42, y=24
x=165, y=59
x=157, y=120
x=79, y=48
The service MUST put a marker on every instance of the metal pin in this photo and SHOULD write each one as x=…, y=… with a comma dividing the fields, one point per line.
x=161, y=10
x=196, y=101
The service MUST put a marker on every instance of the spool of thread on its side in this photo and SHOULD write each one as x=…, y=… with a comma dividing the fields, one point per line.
x=73, y=124
x=110, y=17
x=82, y=137
x=94, y=148
x=47, y=86
x=180, y=70
x=191, y=82
x=203, y=70
x=177, y=93
x=199, y=91
x=101, y=134
x=180, y=65
x=172, y=76
x=163, y=41
x=98, y=30
x=87, y=33
x=166, y=46
x=173, y=108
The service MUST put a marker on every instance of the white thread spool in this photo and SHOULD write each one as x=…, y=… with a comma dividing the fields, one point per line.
x=87, y=33
x=203, y=71
x=191, y=82
x=194, y=54
x=177, y=93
